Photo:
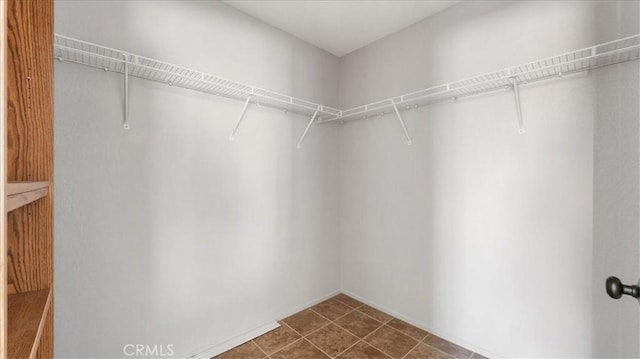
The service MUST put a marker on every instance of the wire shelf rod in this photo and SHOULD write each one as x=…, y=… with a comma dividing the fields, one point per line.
x=548, y=68
x=85, y=53
x=603, y=54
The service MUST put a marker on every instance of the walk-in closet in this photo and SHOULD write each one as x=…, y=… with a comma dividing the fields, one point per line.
x=320, y=179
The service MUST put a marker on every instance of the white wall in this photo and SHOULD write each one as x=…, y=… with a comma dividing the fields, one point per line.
x=477, y=233
x=616, y=227
x=169, y=233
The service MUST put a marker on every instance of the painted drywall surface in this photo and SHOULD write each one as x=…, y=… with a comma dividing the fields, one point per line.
x=169, y=233
x=616, y=227
x=478, y=233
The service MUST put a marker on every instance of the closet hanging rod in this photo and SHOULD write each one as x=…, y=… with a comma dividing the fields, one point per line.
x=85, y=53
x=604, y=54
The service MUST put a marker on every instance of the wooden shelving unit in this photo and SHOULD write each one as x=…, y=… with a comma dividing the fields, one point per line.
x=22, y=193
x=26, y=179
x=27, y=316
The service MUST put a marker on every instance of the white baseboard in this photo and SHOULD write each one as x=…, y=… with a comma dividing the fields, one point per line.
x=308, y=304
x=257, y=331
x=235, y=341
x=446, y=337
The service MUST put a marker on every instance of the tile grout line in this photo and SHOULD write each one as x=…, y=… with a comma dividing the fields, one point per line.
x=383, y=324
x=351, y=310
x=379, y=321
x=343, y=303
x=412, y=349
x=308, y=341
x=329, y=321
x=311, y=332
x=425, y=338
x=286, y=346
x=256, y=344
x=378, y=349
x=442, y=351
x=348, y=331
x=317, y=347
x=363, y=338
x=393, y=317
x=389, y=321
x=418, y=342
x=356, y=343
x=359, y=339
x=397, y=330
x=352, y=345
x=373, y=346
x=337, y=325
x=403, y=333
x=340, y=317
x=386, y=324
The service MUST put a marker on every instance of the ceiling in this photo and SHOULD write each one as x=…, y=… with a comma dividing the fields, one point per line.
x=340, y=27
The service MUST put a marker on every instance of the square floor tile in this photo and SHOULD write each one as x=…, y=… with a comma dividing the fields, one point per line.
x=358, y=324
x=305, y=321
x=363, y=350
x=391, y=342
x=276, y=339
x=342, y=327
x=423, y=351
x=408, y=329
x=301, y=349
x=332, y=340
x=331, y=309
x=345, y=299
x=375, y=314
x=247, y=350
x=448, y=347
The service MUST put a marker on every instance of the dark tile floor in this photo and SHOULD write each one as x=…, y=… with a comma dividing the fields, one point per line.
x=342, y=327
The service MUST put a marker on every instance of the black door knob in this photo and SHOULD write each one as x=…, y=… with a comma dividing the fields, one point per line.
x=616, y=289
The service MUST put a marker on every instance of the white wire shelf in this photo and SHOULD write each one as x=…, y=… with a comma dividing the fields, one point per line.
x=621, y=50
x=108, y=59
x=101, y=57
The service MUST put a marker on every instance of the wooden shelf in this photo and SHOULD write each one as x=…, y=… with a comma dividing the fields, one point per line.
x=22, y=193
x=26, y=145
x=27, y=315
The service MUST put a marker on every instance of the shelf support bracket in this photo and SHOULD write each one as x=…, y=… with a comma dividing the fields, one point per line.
x=125, y=120
x=516, y=95
x=304, y=134
x=404, y=127
x=244, y=110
